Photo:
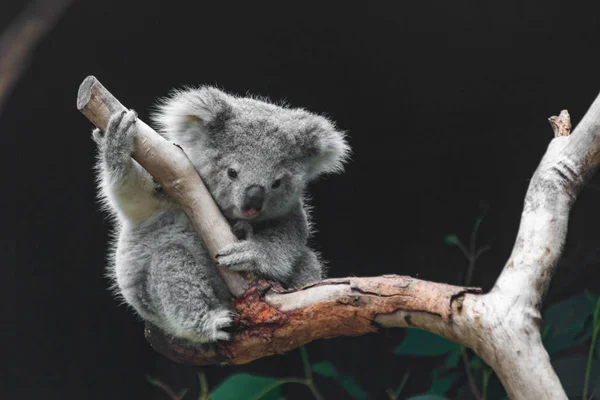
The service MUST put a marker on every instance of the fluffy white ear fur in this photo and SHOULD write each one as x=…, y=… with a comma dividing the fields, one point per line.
x=183, y=115
x=332, y=150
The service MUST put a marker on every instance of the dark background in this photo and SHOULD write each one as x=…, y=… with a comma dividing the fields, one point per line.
x=446, y=106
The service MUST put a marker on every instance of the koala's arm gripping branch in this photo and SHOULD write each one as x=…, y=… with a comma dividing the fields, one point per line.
x=171, y=168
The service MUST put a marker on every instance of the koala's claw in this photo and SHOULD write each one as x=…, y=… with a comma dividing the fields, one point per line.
x=221, y=319
x=120, y=132
x=98, y=136
x=122, y=122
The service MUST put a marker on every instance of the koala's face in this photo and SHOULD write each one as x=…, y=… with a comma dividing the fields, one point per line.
x=249, y=187
x=255, y=157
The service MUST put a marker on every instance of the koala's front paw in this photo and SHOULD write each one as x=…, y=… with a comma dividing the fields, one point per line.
x=120, y=131
x=241, y=256
x=116, y=143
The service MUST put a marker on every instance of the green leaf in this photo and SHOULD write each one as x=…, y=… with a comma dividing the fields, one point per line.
x=564, y=322
x=453, y=359
x=495, y=390
x=571, y=371
x=592, y=297
x=558, y=342
x=427, y=397
x=422, y=343
x=451, y=240
x=245, y=387
x=441, y=386
x=476, y=363
x=153, y=381
x=570, y=314
x=326, y=369
x=350, y=385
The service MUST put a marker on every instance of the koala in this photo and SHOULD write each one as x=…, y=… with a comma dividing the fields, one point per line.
x=256, y=159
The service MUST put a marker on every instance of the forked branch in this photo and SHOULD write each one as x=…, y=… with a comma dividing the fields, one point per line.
x=501, y=326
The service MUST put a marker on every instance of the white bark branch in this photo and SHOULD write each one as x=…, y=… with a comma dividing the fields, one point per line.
x=501, y=326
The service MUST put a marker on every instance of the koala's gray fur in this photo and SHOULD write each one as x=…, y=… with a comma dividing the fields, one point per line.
x=158, y=264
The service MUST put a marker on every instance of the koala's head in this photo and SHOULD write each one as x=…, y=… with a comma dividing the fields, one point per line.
x=255, y=157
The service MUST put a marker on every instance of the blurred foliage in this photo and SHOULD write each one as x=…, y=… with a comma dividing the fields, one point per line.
x=348, y=383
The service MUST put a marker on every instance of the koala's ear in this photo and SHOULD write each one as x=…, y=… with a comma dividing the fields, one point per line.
x=330, y=149
x=185, y=114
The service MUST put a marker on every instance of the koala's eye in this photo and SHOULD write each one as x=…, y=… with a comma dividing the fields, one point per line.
x=232, y=173
x=276, y=184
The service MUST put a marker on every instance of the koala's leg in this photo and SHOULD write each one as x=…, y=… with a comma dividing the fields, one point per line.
x=195, y=303
x=308, y=269
x=125, y=184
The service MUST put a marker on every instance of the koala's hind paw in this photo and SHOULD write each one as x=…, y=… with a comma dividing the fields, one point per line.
x=214, y=324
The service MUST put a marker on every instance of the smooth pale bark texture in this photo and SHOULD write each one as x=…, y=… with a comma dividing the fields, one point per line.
x=501, y=326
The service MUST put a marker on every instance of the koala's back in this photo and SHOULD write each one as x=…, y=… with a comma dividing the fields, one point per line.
x=139, y=247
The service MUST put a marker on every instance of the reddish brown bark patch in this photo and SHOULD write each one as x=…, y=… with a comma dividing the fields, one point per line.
x=252, y=310
x=262, y=330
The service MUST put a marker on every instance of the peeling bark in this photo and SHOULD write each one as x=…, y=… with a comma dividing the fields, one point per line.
x=272, y=321
x=502, y=326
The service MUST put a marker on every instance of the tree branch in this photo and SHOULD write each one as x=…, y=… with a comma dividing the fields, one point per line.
x=272, y=321
x=501, y=326
x=20, y=38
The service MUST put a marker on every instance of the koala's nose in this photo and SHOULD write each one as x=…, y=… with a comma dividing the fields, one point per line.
x=254, y=198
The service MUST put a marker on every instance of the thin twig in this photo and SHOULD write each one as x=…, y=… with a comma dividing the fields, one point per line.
x=470, y=377
x=473, y=253
x=203, y=385
x=166, y=388
x=596, y=330
x=306, y=364
x=308, y=374
x=487, y=373
x=315, y=392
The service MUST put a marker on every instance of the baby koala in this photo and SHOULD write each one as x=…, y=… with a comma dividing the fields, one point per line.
x=256, y=159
